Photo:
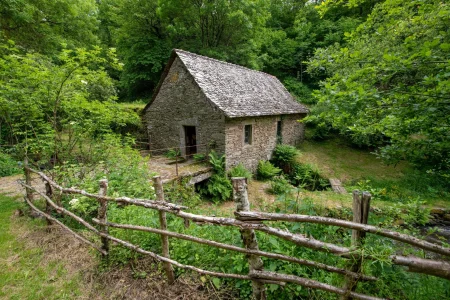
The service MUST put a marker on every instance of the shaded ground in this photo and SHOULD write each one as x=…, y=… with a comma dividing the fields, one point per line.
x=167, y=168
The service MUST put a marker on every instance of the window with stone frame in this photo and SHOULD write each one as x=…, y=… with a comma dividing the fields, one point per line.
x=248, y=134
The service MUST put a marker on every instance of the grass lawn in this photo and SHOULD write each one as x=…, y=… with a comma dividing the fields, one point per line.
x=25, y=272
x=361, y=169
x=357, y=169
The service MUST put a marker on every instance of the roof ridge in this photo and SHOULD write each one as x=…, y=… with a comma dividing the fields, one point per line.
x=222, y=62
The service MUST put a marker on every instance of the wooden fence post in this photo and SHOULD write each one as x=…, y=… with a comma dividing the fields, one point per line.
x=48, y=207
x=27, y=172
x=157, y=183
x=102, y=214
x=361, y=207
x=255, y=262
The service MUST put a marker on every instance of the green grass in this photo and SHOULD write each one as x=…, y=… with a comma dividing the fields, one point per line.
x=361, y=169
x=24, y=272
x=136, y=106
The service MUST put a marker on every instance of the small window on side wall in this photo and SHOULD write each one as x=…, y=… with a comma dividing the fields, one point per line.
x=248, y=134
x=279, y=133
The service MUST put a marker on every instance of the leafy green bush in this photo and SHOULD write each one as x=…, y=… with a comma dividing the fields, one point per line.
x=179, y=191
x=280, y=185
x=8, y=166
x=240, y=171
x=266, y=170
x=412, y=212
x=307, y=177
x=217, y=162
x=126, y=170
x=300, y=90
x=218, y=187
x=284, y=156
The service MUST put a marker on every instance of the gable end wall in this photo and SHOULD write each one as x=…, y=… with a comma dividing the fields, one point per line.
x=179, y=103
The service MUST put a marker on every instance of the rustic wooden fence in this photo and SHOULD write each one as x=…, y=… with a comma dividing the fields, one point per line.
x=248, y=222
x=181, y=154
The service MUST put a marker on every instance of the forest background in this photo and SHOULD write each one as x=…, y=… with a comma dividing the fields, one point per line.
x=375, y=72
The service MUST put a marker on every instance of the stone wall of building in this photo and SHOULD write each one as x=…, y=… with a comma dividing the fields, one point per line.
x=180, y=103
x=264, y=138
x=293, y=132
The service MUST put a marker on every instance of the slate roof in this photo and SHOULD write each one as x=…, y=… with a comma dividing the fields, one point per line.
x=236, y=90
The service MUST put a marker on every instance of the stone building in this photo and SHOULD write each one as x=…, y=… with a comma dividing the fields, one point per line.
x=242, y=112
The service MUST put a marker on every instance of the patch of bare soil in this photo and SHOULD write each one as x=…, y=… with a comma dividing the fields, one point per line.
x=166, y=167
x=10, y=187
x=140, y=279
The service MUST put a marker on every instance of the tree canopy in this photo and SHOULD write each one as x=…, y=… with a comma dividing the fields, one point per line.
x=380, y=68
x=389, y=86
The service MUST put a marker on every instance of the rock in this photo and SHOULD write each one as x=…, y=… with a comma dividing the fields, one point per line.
x=447, y=217
x=437, y=211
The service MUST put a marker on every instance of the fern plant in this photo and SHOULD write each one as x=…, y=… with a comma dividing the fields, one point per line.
x=217, y=162
x=266, y=170
x=218, y=187
x=240, y=171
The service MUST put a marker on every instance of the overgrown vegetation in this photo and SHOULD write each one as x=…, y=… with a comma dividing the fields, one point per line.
x=8, y=166
x=302, y=175
x=240, y=171
x=266, y=170
x=383, y=76
x=388, y=86
x=218, y=187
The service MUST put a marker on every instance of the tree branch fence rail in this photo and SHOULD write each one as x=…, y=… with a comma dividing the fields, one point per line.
x=248, y=222
x=181, y=153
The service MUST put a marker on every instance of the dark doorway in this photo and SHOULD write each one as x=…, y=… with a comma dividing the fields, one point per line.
x=191, y=140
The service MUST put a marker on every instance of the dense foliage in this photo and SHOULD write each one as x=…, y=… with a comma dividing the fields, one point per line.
x=382, y=72
x=383, y=64
x=266, y=170
x=389, y=85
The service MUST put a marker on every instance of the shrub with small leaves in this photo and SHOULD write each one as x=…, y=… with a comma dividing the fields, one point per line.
x=307, y=177
x=266, y=170
x=284, y=156
x=280, y=185
x=8, y=166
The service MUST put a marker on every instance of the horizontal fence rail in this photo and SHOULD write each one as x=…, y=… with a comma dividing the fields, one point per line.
x=248, y=222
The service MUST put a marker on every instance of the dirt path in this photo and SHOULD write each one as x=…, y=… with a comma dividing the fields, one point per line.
x=10, y=187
